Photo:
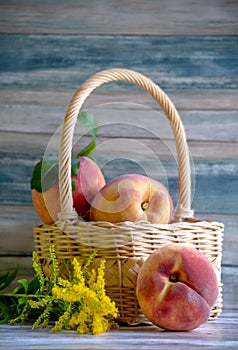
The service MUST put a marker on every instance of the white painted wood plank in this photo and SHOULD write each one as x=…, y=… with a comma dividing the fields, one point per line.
x=217, y=334
x=115, y=17
x=183, y=99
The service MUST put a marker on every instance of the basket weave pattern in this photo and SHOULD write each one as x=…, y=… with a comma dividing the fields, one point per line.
x=125, y=246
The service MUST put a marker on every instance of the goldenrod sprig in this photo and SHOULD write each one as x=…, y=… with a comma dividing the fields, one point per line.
x=91, y=309
x=78, y=302
x=44, y=318
x=54, y=264
x=63, y=321
x=38, y=272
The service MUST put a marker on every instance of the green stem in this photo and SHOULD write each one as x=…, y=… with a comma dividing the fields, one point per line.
x=22, y=295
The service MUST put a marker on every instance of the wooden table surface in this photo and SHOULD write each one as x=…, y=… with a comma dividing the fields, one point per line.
x=219, y=334
x=47, y=49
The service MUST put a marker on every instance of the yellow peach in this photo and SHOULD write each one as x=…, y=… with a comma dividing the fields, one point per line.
x=132, y=197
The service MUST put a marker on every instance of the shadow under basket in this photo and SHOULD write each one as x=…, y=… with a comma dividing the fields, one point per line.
x=125, y=246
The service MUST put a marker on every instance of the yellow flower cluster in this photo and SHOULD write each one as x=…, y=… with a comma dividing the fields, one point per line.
x=88, y=309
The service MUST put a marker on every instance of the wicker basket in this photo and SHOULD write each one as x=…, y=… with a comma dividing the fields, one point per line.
x=125, y=245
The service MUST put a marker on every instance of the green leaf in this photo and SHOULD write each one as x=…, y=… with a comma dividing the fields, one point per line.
x=22, y=300
x=25, y=284
x=88, y=150
x=8, y=308
x=17, y=290
x=33, y=285
x=75, y=166
x=45, y=174
x=3, y=279
x=4, y=312
x=73, y=183
x=50, y=287
x=7, y=278
x=89, y=122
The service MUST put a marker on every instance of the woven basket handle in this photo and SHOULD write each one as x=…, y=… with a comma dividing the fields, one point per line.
x=184, y=201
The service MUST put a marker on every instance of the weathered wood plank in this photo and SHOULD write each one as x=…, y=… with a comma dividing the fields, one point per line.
x=183, y=99
x=229, y=280
x=16, y=235
x=34, y=125
x=115, y=17
x=121, y=119
x=66, y=61
x=24, y=264
x=34, y=145
x=217, y=334
x=229, y=255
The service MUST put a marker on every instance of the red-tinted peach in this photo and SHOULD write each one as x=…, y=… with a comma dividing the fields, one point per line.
x=177, y=287
x=88, y=182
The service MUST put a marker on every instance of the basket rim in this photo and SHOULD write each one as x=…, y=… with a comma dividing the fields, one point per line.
x=103, y=234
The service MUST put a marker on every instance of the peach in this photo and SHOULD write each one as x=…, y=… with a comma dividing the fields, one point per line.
x=47, y=204
x=132, y=197
x=88, y=182
x=177, y=287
